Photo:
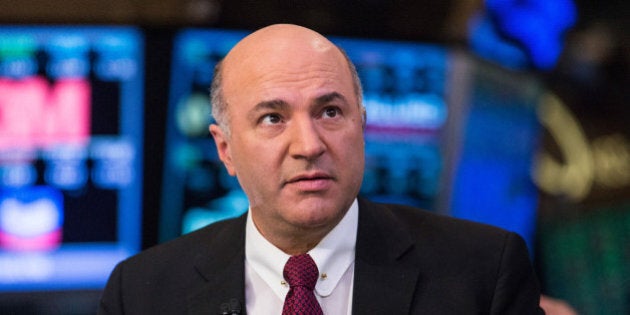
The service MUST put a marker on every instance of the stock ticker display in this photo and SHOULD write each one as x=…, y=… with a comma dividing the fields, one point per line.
x=404, y=87
x=70, y=154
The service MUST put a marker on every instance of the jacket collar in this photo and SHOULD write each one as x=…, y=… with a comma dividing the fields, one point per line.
x=224, y=273
x=387, y=264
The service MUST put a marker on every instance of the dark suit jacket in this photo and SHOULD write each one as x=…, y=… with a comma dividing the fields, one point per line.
x=408, y=261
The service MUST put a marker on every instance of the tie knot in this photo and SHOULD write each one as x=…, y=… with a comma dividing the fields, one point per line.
x=302, y=271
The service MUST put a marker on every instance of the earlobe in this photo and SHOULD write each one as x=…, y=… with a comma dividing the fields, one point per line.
x=223, y=148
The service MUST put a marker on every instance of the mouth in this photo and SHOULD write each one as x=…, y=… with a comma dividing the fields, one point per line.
x=312, y=181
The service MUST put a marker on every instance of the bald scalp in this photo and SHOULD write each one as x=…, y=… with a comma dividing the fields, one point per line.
x=265, y=47
x=276, y=38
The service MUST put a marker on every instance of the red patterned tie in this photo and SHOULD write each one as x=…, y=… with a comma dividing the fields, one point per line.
x=301, y=273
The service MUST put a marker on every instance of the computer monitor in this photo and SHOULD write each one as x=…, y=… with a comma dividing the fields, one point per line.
x=71, y=134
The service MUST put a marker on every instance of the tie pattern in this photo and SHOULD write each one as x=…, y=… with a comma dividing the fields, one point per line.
x=301, y=273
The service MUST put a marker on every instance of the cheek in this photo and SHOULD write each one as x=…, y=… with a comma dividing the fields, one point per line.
x=350, y=153
x=255, y=164
x=357, y=156
x=353, y=145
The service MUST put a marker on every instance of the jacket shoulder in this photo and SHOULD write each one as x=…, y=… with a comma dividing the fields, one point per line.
x=462, y=265
x=426, y=224
x=186, y=244
x=160, y=279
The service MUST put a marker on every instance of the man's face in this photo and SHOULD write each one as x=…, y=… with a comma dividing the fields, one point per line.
x=296, y=143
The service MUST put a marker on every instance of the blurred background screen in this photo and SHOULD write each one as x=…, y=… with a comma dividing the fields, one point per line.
x=70, y=155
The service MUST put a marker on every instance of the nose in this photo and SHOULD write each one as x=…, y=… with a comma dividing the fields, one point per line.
x=306, y=140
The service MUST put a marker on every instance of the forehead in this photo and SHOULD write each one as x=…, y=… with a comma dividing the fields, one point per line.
x=261, y=71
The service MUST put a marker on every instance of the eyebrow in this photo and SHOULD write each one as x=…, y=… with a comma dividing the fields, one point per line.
x=329, y=97
x=275, y=104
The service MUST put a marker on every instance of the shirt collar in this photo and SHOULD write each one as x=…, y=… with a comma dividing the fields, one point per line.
x=333, y=255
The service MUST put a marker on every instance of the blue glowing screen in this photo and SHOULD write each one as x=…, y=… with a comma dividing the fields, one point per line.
x=71, y=116
x=500, y=134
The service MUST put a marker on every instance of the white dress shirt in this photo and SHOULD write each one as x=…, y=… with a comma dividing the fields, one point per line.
x=265, y=287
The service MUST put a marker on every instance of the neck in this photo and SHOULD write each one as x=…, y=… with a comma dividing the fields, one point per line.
x=299, y=242
x=293, y=239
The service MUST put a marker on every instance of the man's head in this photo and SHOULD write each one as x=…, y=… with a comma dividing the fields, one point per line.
x=291, y=132
x=219, y=106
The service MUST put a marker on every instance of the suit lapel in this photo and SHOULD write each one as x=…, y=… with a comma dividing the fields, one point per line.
x=386, y=266
x=224, y=274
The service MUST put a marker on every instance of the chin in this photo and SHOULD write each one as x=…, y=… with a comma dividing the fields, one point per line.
x=312, y=223
x=317, y=215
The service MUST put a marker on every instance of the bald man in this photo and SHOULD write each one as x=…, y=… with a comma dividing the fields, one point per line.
x=290, y=122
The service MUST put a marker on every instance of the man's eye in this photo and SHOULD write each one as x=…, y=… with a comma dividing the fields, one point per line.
x=331, y=112
x=271, y=119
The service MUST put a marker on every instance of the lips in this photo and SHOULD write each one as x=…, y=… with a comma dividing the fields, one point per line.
x=310, y=176
x=312, y=181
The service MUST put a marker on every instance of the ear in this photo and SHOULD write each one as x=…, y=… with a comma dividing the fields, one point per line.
x=364, y=117
x=223, y=148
